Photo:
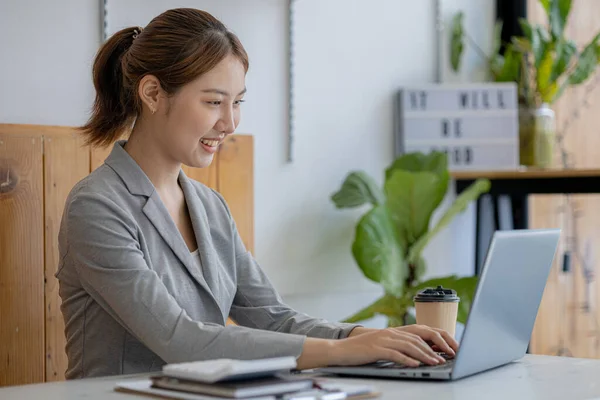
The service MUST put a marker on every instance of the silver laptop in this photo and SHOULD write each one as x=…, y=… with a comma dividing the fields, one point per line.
x=502, y=315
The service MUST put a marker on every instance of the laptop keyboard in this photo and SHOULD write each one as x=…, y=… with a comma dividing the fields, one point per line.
x=392, y=365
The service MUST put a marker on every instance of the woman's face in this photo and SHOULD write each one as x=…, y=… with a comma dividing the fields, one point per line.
x=201, y=114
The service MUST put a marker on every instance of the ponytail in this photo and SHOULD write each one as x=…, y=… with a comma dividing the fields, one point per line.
x=115, y=104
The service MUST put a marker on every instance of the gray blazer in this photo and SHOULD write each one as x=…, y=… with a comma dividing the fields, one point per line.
x=132, y=297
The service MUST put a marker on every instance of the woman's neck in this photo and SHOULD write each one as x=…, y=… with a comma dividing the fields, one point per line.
x=152, y=159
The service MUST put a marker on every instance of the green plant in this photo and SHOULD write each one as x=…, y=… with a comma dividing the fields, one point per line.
x=390, y=238
x=543, y=62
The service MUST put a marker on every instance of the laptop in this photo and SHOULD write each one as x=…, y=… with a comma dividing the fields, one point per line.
x=502, y=314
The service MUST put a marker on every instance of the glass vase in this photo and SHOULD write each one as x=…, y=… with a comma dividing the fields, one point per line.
x=537, y=134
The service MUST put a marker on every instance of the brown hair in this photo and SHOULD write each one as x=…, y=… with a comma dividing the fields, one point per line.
x=177, y=46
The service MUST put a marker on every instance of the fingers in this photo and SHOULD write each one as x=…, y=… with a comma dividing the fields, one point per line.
x=415, y=347
x=438, y=337
x=411, y=345
x=399, y=358
x=449, y=339
x=424, y=346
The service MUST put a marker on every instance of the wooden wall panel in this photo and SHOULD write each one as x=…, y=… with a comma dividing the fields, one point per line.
x=566, y=323
x=548, y=328
x=66, y=162
x=98, y=155
x=236, y=183
x=208, y=175
x=21, y=260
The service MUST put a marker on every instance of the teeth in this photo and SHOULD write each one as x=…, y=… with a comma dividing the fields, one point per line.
x=211, y=143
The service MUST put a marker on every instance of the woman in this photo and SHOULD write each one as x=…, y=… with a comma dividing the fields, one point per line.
x=151, y=262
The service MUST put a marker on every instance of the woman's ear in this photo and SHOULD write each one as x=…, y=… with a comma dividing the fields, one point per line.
x=150, y=91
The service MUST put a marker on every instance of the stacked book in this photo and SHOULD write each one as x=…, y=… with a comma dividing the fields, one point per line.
x=265, y=379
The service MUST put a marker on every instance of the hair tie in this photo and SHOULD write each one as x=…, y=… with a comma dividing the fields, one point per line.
x=137, y=31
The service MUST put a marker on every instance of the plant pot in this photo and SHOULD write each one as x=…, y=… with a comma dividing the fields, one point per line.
x=537, y=135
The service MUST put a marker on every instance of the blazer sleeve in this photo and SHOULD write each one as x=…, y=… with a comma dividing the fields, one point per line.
x=103, y=241
x=258, y=305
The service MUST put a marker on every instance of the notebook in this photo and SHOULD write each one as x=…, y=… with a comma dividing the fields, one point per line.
x=235, y=389
x=144, y=386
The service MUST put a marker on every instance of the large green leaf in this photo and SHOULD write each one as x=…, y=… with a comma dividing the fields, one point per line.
x=546, y=5
x=377, y=250
x=412, y=197
x=456, y=41
x=545, y=86
x=358, y=189
x=460, y=204
x=541, y=44
x=508, y=66
x=464, y=287
x=420, y=268
x=587, y=63
x=558, y=13
x=565, y=50
x=387, y=305
x=538, y=46
x=538, y=41
x=435, y=161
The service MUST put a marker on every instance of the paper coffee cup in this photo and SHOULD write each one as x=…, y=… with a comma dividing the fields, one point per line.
x=437, y=308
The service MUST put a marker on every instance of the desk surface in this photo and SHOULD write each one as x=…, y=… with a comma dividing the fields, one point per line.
x=533, y=377
x=527, y=174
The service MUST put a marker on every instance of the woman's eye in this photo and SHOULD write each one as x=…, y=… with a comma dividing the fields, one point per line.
x=219, y=102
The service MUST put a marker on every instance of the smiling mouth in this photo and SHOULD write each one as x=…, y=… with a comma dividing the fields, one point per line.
x=210, y=142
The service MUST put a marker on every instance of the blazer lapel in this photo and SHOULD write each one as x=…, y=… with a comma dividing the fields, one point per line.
x=206, y=250
x=164, y=224
x=201, y=227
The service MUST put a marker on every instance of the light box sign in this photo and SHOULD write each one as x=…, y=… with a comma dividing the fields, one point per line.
x=475, y=124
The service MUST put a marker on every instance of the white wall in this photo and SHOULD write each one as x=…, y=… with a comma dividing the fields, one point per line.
x=46, y=52
x=351, y=57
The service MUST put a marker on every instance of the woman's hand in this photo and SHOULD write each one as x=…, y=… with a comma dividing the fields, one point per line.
x=409, y=345
x=447, y=337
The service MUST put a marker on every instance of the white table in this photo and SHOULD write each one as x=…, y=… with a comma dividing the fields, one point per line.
x=533, y=377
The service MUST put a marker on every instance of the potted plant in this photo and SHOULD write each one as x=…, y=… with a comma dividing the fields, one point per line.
x=390, y=237
x=543, y=63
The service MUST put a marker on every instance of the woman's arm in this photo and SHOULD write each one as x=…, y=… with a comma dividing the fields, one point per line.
x=258, y=305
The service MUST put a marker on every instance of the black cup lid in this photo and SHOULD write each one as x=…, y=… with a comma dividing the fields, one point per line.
x=436, y=295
